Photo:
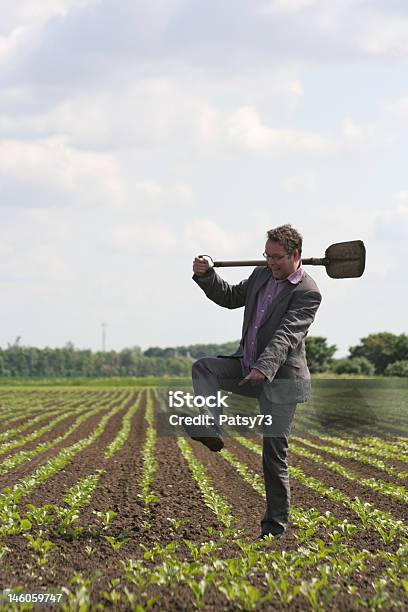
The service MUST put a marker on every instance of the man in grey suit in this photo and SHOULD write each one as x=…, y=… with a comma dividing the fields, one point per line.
x=280, y=301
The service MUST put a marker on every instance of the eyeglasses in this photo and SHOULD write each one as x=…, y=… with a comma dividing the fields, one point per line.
x=274, y=257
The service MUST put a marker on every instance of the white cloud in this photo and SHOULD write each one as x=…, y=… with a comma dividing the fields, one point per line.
x=157, y=35
x=23, y=24
x=140, y=238
x=245, y=127
x=401, y=199
x=151, y=188
x=286, y=6
x=294, y=87
x=390, y=228
x=372, y=31
x=384, y=35
x=13, y=42
x=136, y=117
x=184, y=193
x=382, y=133
x=53, y=163
x=398, y=110
x=208, y=123
x=29, y=12
x=133, y=138
x=133, y=117
x=211, y=236
x=300, y=183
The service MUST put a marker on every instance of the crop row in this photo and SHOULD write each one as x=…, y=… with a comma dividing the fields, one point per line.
x=149, y=454
x=258, y=575
x=308, y=522
x=386, y=525
x=80, y=493
x=355, y=455
x=371, y=446
x=339, y=560
x=26, y=455
x=5, y=447
x=10, y=498
x=380, y=486
x=45, y=414
x=123, y=434
x=20, y=406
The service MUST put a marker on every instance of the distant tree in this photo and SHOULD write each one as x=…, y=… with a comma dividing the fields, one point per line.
x=318, y=353
x=126, y=360
x=178, y=366
x=381, y=349
x=354, y=365
x=85, y=363
x=16, y=360
x=155, y=351
x=69, y=355
x=194, y=351
x=398, y=368
x=42, y=366
x=32, y=358
x=401, y=348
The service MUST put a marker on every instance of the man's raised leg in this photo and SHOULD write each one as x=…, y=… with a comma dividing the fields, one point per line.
x=210, y=375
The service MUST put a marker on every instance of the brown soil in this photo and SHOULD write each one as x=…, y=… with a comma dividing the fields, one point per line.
x=142, y=528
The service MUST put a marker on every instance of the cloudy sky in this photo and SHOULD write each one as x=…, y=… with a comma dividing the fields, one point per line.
x=136, y=134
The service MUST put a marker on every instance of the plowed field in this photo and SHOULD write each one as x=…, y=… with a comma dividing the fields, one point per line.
x=98, y=511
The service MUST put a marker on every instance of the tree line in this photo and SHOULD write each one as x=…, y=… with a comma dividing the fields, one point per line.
x=382, y=353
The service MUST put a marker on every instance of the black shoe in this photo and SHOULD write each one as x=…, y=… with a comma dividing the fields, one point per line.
x=206, y=435
x=214, y=442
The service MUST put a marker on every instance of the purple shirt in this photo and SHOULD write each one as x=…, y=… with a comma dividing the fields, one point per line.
x=265, y=297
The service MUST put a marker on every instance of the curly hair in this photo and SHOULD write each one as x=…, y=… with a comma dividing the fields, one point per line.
x=288, y=237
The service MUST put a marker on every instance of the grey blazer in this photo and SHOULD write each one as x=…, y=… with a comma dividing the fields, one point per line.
x=280, y=348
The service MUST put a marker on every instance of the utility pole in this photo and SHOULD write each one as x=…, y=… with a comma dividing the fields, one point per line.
x=104, y=326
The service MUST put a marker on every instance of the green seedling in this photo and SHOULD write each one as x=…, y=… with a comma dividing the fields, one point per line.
x=149, y=499
x=79, y=580
x=201, y=587
x=176, y=523
x=114, y=598
x=41, y=515
x=115, y=543
x=159, y=552
x=106, y=518
x=3, y=551
x=282, y=588
x=41, y=547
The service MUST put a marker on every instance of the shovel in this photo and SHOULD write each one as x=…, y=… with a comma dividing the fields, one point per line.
x=341, y=260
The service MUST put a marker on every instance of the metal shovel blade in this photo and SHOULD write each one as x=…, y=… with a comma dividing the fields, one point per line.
x=345, y=259
x=341, y=260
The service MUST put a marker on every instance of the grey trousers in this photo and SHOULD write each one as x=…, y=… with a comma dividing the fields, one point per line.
x=212, y=374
